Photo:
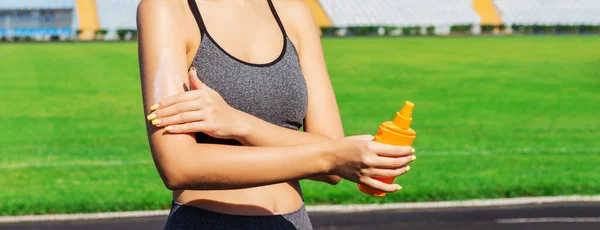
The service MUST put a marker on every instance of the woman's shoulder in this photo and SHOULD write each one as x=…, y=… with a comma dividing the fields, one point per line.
x=163, y=17
x=170, y=10
x=294, y=10
x=296, y=16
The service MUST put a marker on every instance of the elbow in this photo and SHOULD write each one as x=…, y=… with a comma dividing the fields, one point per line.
x=334, y=180
x=173, y=184
x=182, y=177
x=173, y=176
x=173, y=181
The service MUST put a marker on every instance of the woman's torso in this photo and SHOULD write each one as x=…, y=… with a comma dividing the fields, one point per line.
x=258, y=74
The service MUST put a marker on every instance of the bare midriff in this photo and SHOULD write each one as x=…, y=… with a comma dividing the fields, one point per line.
x=265, y=200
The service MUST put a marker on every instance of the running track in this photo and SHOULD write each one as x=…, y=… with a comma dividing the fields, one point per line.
x=548, y=216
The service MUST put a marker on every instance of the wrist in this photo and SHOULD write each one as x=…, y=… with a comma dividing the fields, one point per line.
x=327, y=156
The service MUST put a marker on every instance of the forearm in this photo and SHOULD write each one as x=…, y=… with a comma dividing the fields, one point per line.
x=261, y=133
x=217, y=167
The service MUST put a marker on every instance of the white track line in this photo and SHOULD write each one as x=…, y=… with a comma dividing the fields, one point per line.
x=320, y=208
x=549, y=220
x=78, y=217
x=499, y=150
x=454, y=204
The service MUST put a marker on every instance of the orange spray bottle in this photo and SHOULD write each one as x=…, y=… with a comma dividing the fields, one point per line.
x=396, y=132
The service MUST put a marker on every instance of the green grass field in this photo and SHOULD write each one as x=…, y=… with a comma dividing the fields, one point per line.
x=495, y=117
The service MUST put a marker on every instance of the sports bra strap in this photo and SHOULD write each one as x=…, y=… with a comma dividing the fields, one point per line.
x=277, y=17
x=200, y=22
x=197, y=16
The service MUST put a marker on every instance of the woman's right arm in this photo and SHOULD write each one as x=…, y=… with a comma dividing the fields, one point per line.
x=184, y=164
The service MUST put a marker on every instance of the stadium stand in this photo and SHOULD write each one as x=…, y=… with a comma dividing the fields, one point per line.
x=549, y=12
x=36, y=18
x=399, y=13
x=42, y=19
x=117, y=14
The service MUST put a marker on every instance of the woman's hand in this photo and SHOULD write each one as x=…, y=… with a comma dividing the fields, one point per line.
x=199, y=110
x=359, y=159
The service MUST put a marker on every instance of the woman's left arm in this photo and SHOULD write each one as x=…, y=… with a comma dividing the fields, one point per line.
x=322, y=122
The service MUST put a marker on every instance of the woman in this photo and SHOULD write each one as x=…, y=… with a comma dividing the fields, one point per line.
x=225, y=134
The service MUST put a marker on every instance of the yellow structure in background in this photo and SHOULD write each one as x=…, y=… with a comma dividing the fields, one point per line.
x=320, y=16
x=487, y=12
x=87, y=15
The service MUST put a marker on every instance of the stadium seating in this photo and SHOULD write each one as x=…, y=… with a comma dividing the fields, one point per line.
x=117, y=14
x=90, y=15
x=36, y=4
x=349, y=13
x=36, y=18
x=33, y=32
x=549, y=12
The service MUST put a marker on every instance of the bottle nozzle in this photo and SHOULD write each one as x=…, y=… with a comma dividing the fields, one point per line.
x=404, y=117
x=407, y=109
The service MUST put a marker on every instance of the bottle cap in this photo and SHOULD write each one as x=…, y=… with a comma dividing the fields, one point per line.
x=404, y=116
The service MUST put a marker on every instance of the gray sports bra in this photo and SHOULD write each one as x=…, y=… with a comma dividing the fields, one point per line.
x=275, y=91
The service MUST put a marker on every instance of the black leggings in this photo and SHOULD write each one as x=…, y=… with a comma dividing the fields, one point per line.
x=190, y=217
